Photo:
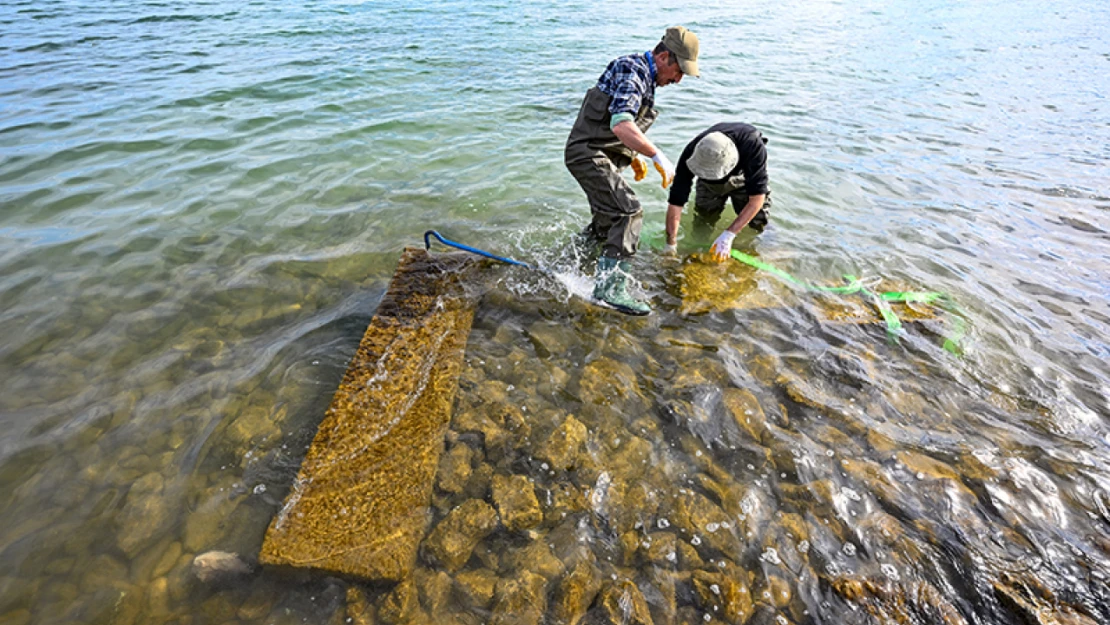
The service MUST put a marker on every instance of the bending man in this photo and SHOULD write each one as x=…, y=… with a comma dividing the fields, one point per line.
x=730, y=162
x=605, y=139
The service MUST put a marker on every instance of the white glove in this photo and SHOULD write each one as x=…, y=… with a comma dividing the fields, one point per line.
x=664, y=166
x=722, y=246
x=670, y=249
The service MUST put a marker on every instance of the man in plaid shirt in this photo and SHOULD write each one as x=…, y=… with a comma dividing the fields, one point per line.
x=607, y=137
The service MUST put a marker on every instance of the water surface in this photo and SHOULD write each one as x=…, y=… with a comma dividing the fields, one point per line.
x=202, y=204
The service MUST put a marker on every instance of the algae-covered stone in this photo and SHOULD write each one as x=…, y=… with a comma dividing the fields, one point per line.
x=629, y=504
x=477, y=487
x=661, y=593
x=630, y=457
x=455, y=469
x=478, y=421
x=607, y=382
x=662, y=549
x=360, y=610
x=561, y=500
x=778, y=589
x=563, y=448
x=516, y=502
x=476, y=587
x=359, y=504
x=400, y=604
x=435, y=589
x=746, y=412
x=539, y=559
x=623, y=604
x=1034, y=604
x=576, y=592
x=551, y=339
x=925, y=467
x=706, y=521
x=724, y=596
x=688, y=556
x=452, y=541
x=888, y=602
x=520, y=601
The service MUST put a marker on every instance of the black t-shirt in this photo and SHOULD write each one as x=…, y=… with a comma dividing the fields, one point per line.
x=752, y=162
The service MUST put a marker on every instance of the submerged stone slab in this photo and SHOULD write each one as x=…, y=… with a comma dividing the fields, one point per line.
x=359, y=504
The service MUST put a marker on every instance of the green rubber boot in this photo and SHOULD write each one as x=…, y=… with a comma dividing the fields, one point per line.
x=611, y=287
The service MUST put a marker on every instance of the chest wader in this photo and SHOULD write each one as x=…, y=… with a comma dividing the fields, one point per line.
x=595, y=157
x=710, y=199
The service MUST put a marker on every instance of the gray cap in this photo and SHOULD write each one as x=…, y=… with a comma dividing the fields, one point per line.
x=714, y=156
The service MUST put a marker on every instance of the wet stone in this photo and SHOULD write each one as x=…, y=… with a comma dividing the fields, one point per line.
x=607, y=382
x=746, y=412
x=258, y=603
x=479, y=483
x=220, y=567
x=661, y=593
x=563, y=500
x=702, y=518
x=452, y=541
x=630, y=458
x=144, y=516
x=476, y=587
x=359, y=609
x=628, y=504
x=358, y=504
x=16, y=617
x=435, y=589
x=400, y=604
x=719, y=594
x=166, y=559
x=688, y=556
x=158, y=598
x=630, y=548
x=205, y=526
x=923, y=466
x=551, y=339
x=576, y=592
x=455, y=469
x=916, y=602
x=662, y=549
x=520, y=601
x=102, y=572
x=538, y=558
x=516, y=502
x=1033, y=604
x=564, y=447
x=622, y=603
x=476, y=420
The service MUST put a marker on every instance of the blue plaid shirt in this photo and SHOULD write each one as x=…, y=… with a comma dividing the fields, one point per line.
x=630, y=81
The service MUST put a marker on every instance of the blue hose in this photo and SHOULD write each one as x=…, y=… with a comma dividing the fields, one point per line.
x=474, y=250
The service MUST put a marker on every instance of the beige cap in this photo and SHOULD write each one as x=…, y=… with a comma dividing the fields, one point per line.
x=714, y=157
x=684, y=45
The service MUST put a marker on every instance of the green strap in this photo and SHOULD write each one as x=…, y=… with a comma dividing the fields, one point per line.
x=882, y=300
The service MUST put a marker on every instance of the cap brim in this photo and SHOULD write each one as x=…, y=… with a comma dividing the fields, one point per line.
x=688, y=67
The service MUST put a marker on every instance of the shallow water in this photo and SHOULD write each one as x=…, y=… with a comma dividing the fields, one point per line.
x=202, y=205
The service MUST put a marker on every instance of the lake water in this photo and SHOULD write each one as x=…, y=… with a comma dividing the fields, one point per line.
x=201, y=204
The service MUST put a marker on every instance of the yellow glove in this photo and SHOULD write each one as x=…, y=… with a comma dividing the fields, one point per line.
x=665, y=168
x=639, y=168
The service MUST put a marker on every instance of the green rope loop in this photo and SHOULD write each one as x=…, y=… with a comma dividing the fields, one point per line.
x=882, y=300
